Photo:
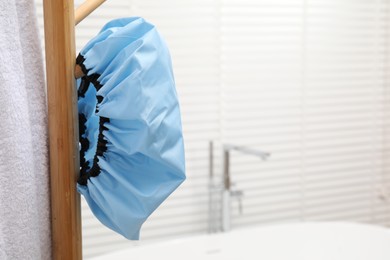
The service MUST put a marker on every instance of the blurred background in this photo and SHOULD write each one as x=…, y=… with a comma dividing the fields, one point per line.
x=305, y=80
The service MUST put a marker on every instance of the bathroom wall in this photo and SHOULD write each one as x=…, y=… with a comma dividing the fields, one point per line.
x=305, y=80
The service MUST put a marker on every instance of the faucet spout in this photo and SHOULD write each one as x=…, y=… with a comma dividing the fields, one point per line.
x=227, y=192
x=263, y=155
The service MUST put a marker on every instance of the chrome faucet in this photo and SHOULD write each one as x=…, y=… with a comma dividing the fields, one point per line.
x=226, y=190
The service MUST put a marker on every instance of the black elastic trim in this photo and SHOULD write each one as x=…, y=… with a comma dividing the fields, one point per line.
x=82, y=129
x=99, y=99
x=83, y=88
x=101, y=148
x=84, y=143
x=80, y=61
x=93, y=78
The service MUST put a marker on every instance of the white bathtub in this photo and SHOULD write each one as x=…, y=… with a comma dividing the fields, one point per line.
x=301, y=241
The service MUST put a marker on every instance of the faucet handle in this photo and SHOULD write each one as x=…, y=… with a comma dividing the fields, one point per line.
x=237, y=193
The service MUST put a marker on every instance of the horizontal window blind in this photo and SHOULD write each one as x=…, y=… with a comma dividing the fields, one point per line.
x=262, y=50
x=306, y=80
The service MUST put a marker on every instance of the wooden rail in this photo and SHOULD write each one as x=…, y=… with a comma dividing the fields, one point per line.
x=86, y=8
x=63, y=129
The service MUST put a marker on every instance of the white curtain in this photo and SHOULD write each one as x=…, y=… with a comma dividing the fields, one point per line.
x=24, y=193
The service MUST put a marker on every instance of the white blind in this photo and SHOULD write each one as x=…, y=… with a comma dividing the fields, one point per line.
x=262, y=49
x=306, y=80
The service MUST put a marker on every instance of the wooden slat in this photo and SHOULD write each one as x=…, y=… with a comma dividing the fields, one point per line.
x=86, y=8
x=63, y=129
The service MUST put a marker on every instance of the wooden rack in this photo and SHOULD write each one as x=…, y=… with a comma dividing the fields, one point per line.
x=60, y=19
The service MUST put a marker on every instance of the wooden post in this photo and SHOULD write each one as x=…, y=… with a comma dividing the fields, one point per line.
x=63, y=128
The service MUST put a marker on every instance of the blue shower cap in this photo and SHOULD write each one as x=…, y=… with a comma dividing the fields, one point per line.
x=131, y=144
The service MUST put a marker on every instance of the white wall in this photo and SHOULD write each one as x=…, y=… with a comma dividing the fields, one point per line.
x=305, y=80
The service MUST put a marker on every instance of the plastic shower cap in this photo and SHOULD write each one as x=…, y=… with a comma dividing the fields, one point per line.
x=131, y=145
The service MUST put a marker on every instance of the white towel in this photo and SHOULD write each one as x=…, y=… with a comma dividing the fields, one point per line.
x=24, y=192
